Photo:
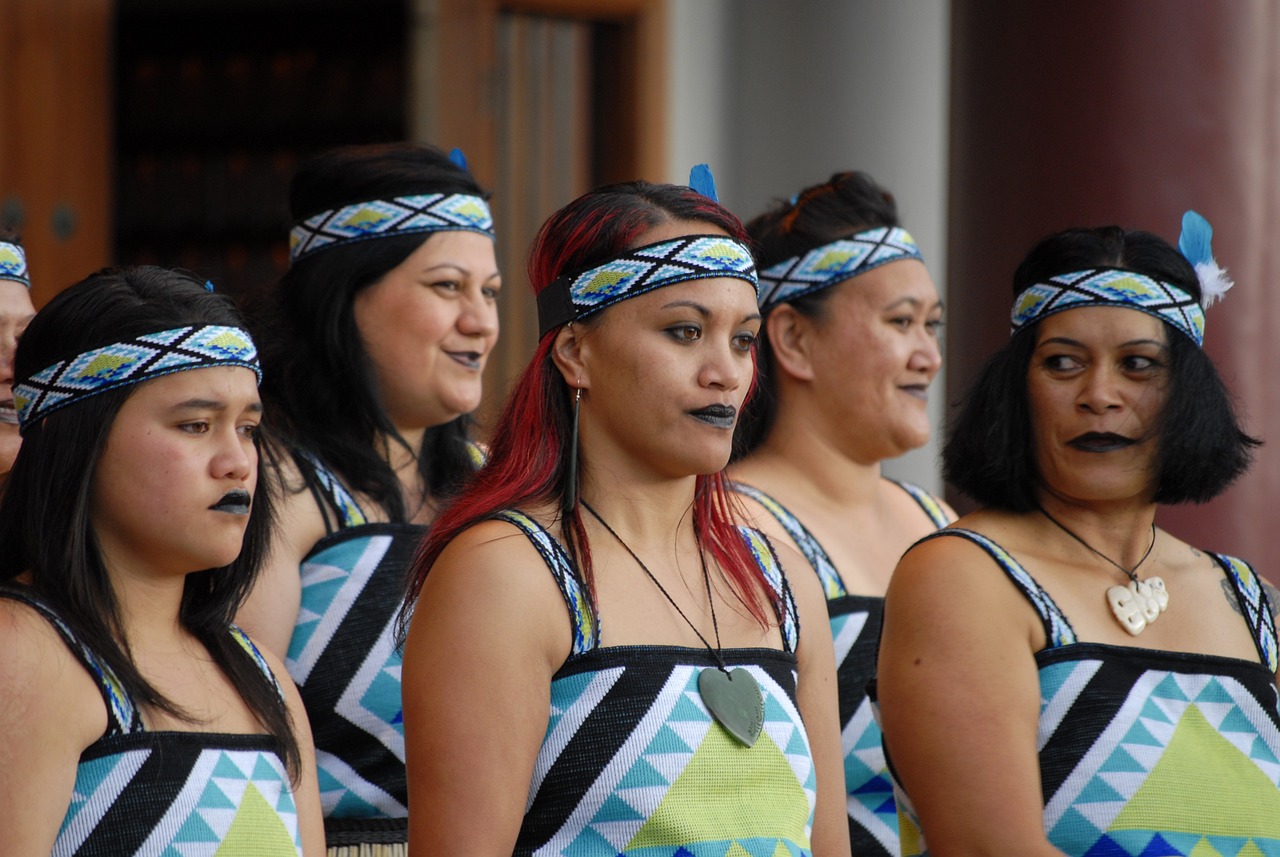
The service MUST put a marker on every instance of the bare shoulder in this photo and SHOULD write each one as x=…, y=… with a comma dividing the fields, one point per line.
x=46, y=688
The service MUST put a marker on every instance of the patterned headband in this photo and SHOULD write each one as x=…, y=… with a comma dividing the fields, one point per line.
x=1111, y=287
x=383, y=218
x=13, y=264
x=692, y=257
x=823, y=267
x=131, y=362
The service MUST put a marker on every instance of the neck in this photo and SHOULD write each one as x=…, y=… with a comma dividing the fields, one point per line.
x=648, y=516
x=1122, y=532
x=149, y=608
x=798, y=449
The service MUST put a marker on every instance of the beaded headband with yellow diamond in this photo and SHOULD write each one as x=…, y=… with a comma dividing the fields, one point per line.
x=131, y=362
x=384, y=218
x=643, y=269
x=13, y=264
x=826, y=265
x=1110, y=287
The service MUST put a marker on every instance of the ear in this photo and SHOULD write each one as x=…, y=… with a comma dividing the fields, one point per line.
x=568, y=354
x=791, y=338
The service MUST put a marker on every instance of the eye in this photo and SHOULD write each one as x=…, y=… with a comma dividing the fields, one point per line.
x=447, y=285
x=743, y=341
x=685, y=332
x=902, y=322
x=1061, y=363
x=194, y=427
x=934, y=325
x=1140, y=363
x=249, y=430
x=492, y=292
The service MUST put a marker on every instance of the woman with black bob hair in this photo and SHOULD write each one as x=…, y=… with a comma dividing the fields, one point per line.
x=1058, y=675
x=374, y=342
x=1202, y=449
x=133, y=530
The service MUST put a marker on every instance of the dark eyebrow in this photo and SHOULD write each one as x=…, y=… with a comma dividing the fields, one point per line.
x=462, y=269
x=914, y=302
x=212, y=405
x=703, y=311
x=1064, y=340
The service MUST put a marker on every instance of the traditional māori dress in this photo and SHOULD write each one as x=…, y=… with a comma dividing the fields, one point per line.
x=1148, y=752
x=632, y=762
x=164, y=792
x=855, y=629
x=344, y=660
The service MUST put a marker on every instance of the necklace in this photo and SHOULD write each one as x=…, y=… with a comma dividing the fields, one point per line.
x=733, y=697
x=1141, y=602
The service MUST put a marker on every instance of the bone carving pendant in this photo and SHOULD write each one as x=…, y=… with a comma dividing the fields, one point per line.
x=1139, y=604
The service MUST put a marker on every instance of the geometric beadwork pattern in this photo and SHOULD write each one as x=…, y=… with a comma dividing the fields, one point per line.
x=1110, y=287
x=343, y=657
x=1187, y=766
x=808, y=544
x=824, y=266
x=677, y=783
x=641, y=270
x=130, y=362
x=379, y=218
x=586, y=625
x=182, y=795
x=13, y=264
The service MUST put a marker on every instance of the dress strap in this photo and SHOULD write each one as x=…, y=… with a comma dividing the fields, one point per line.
x=252, y=650
x=331, y=489
x=1254, y=604
x=586, y=625
x=930, y=504
x=783, y=599
x=1057, y=630
x=123, y=716
x=832, y=585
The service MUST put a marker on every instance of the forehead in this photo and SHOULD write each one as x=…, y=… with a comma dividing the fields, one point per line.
x=1102, y=326
x=880, y=287
x=727, y=296
x=229, y=385
x=454, y=247
x=15, y=301
x=670, y=229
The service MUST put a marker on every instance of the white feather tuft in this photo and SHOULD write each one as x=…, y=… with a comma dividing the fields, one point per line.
x=1214, y=282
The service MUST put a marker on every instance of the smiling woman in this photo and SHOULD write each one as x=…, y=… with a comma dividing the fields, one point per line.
x=599, y=660
x=133, y=528
x=374, y=343
x=1058, y=675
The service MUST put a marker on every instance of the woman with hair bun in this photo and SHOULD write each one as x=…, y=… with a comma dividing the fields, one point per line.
x=849, y=350
x=16, y=311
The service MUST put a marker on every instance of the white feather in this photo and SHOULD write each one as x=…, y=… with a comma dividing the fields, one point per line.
x=1214, y=282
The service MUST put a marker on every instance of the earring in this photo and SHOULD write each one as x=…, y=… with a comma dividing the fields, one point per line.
x=570, y=498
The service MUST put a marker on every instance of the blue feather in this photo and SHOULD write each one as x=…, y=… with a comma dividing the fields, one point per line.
x=1194, y=242
x=459, y=159
x=701, y=180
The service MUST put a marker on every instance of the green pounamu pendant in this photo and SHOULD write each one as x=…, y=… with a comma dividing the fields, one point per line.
x=734, y=700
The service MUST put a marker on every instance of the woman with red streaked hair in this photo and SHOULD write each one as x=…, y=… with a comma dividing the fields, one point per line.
x=600, y=660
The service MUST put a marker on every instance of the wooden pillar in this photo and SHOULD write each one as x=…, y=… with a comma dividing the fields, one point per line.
x=55, y=135
x=1127, y=112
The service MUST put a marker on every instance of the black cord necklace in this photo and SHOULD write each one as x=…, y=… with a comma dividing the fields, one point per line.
x=733, y=697
x=1141, y=602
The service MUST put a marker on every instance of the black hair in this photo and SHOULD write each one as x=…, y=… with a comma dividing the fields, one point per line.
x=1202, y=448
x=320, y=385
x=45, y=524
x=846, y=203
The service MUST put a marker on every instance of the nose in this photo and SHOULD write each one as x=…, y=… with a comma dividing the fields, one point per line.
x=236, y=457
x=1100, y=391
x=8, y=345
x=479, y=316
x=927, y=355
x=725, y=367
